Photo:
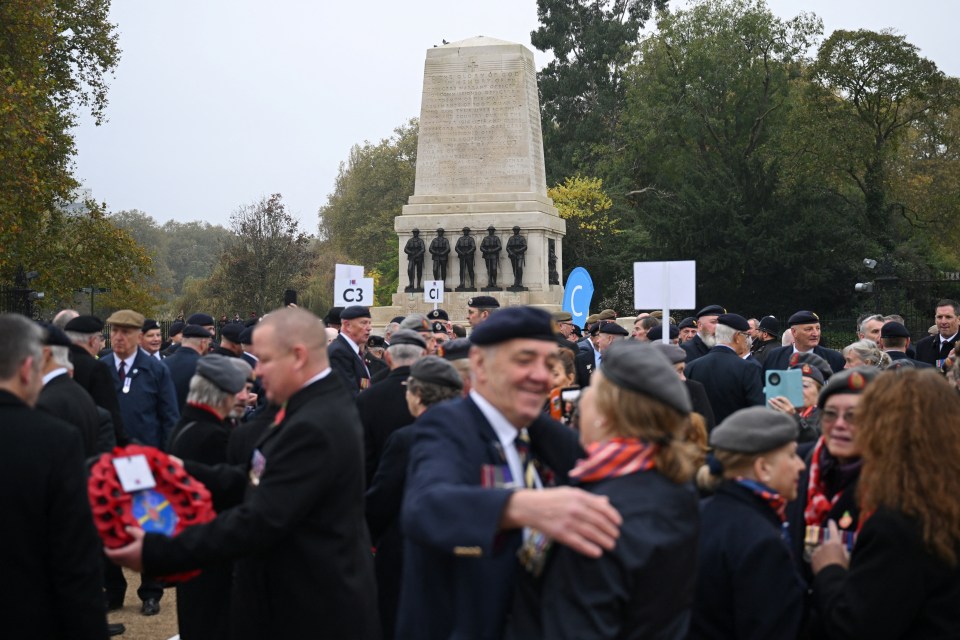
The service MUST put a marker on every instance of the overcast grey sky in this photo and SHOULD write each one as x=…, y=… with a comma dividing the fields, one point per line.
x=217, y=103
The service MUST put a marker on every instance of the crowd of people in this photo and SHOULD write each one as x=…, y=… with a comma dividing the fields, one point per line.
x=529, y=480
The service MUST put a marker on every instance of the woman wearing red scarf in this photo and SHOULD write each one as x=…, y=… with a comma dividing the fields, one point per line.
x=748, y=585
x=633, y=421
x=828, y=488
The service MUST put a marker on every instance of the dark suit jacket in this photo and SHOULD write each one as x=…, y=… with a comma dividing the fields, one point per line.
x=182, y=365
x=695, y=348
x=347, y=365
x=303, y=565
x=731, y=383
x=459, y=570
x=900, y=355
x=779, y=359
x=94, y=376
x=383, y=410
x=50, y=553
x=585, y=365
x=67, y=400
x=929, y=350
x=150, y=406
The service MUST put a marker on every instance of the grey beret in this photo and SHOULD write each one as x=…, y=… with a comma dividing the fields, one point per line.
x=406, y=336
x=852, y=381
x=641, y=367
x=434, y=370
x=754, y=430
x=674, y=354
x=221, y=372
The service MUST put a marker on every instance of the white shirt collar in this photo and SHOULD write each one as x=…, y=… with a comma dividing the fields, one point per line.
x=320, y=376
x=506, y=434
x=942, y=339
x=128, y=361
x=353, y=345
x=54, y=374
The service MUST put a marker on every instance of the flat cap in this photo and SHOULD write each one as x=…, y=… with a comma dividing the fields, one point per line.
x=354, y=312
x=607, y=314
x=195, y=331
x=438, y=327
x=176, y=327
x=202, y=319
x=656, y=333
x=851, y=381
x=687, y=323
x=483, y=302
x=894, y=330
x=770, y=325
x=754, y=430
x=562, y=316
x=515, y=322
x=218, y=370
x=803, y=317
x=456, y=349
x=333, y=316
x=434, y=370
x=711, y=310
x=438, y=314
x=126, y=318
x=406, y=336
x=231, y=331
x=673, y=353
x=85, y=324
x=611, y=327
x=246, y=336
x=733, y=321
x=376, y=342
x=149, y=325
x=417, y=322
x=54, y=336
x=641, y=367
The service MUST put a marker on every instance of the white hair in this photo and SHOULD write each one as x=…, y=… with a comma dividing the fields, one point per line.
x=61, y=356
x=725, y=334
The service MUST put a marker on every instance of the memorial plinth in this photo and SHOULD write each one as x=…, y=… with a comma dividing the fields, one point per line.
x=480, y=164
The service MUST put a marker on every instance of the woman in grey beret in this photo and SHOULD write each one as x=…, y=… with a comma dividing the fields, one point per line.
x=748, y=585
x=633, y=421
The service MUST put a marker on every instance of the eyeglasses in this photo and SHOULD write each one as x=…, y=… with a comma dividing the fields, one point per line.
x=829, y=417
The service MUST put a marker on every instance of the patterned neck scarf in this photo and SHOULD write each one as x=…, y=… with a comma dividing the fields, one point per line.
x=614, y=458
x=765, y=493
x=821, y=463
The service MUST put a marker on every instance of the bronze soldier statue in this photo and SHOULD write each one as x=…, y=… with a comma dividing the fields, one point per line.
x=516, y=250
x=466, y=249
x=440, y=250
x=490, y=247
x=415, y=249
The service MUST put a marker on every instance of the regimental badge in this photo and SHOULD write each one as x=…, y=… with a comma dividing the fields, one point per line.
x=856, y=381
x=257, y=464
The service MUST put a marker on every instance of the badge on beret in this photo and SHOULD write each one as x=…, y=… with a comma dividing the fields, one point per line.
x=856, y=381
x=806, y=370
x=794, y=359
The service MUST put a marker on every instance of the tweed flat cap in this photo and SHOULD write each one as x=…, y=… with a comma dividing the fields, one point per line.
x=640, y=367
x=406, y=336
x=202, y=319
x=434, y=370
x=354, y=312
x=85, y=324
x=754, y=430
x=126, y=318
x=852, y=381
x=515, y=322
x=218, y=370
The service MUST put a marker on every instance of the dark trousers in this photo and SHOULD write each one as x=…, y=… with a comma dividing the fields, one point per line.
x=116, y=585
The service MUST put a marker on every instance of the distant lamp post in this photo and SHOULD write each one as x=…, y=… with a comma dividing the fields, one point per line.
x=93, y=291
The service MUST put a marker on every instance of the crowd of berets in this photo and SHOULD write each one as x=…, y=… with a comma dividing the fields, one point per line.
x=532, y=480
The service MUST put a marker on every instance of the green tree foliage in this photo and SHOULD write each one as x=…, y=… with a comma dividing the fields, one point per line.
x=369, y=192
x=582, y=90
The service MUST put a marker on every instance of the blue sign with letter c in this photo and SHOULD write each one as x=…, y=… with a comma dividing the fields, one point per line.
x=577, y=295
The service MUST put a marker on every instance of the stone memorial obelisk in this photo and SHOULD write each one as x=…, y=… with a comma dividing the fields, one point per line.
x=480, y=166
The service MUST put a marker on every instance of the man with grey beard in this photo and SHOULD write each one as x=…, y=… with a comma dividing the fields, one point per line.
x=701, y=343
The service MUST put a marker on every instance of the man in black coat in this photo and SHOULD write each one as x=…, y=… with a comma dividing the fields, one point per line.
x=766, y=338
x=194, y=344
x=383, y=407
x=607, y=333
x=701, y=343
x=86, y=332
x=934, y=349
x=299, y=539
x=731, y=383
x=49, y=549
x=805, y=327
x=344, y=352
x=895, y=340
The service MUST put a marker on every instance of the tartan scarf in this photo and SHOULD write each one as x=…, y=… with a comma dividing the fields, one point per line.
x=613, y=458
x=765, y=493
x=822, y=467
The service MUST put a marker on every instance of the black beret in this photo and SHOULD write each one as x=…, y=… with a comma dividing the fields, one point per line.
x=354, y=312
x=176, y=327
x=754, y=430
x=246, y=336
x=733, y=321
x=613, y=328
x=195, y=331
x=54, y=336
x=398, y=319
x=333, y=316
x=641, y=367
x=656, y=333
x=687, y=323
x=803, y=317
x=456, y=349
x=438, y=327
x=85, y=324
x=201, y=319
x=438, y=314
x=482, y=302
x=852, y=381
x=149, y=325
x=770, y=325
x=515, y=322
x=406, y=336
x=894, y=330
x=221, y=372
x=232, y=331
x=434, y=370
x=376, y=341
x=711, y=310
